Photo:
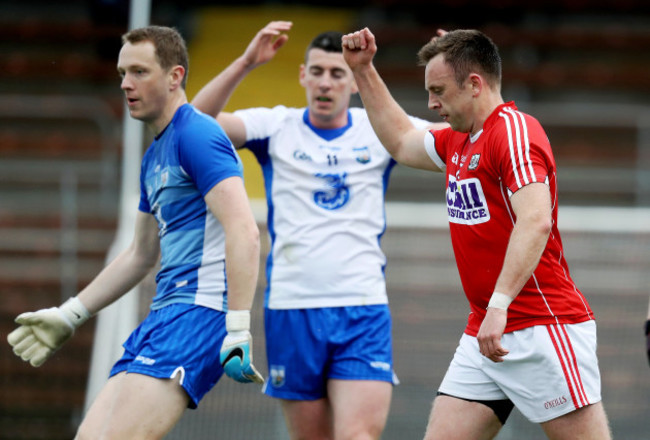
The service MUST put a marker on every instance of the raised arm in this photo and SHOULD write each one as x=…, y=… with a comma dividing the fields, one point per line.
x=212, y=98
x=391, y=123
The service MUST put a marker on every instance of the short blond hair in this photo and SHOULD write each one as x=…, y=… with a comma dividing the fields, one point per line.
x=170, y=48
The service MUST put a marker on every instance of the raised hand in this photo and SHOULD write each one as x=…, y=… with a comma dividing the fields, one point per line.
x=359, y=48
x=266, y=43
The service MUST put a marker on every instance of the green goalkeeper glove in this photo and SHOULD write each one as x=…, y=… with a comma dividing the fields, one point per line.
x=43, y=332
x=237, y=349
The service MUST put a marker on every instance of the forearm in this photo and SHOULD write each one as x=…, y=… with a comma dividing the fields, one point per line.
x=389, y=121
x=527, y=242
x=242, y=266
x=115, y=280
x=212, y=98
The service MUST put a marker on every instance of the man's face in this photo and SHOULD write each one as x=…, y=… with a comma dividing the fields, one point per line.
x=144, y=82
x=328, y=82
x=453, y=103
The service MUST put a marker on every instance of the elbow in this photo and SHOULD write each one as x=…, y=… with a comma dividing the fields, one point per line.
x=251, y=236
x=539, y=224
x=546, y=222
x=255, y=238
x=148, y=262
x=398, y=151
x=144, y=258
x=543, y=225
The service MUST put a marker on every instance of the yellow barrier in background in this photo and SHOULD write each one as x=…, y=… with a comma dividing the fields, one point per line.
x=222, y=34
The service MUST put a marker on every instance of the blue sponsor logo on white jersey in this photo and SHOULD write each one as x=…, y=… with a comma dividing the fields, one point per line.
x=301, y=155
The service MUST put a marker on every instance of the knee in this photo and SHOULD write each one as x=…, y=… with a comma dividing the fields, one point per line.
x=365, y=431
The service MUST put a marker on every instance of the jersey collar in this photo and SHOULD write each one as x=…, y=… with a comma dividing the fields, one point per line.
x=327, y=133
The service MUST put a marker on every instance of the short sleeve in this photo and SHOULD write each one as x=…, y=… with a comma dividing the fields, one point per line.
x=207, y=156
x=433, y=149
x=522, y=150
x=261, y=122
x=144, y=202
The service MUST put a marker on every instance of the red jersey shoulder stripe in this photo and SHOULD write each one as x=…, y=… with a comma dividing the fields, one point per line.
x=519, y=145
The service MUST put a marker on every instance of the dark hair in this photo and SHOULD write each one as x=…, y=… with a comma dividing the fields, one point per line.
x=169, y=46
x=466, y=51
x=329, y=41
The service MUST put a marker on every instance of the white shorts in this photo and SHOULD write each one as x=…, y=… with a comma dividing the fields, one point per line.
x=550, y=371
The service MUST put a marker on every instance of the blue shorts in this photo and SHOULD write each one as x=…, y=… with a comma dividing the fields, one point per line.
x=177, y=341
x=306, y=347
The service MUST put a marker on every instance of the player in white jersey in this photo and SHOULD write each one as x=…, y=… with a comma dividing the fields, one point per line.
x=328, y=327
x=195, y=215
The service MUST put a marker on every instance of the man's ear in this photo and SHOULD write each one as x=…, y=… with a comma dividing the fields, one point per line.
x=176, y=75
x=477, y=83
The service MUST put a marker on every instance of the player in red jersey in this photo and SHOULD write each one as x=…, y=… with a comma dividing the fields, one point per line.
x=530, y=339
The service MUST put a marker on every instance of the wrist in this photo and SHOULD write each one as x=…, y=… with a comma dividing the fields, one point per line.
x=364, y=71
x=245, y=65
x=238, y=320
x=499, y=300
x=74, y=310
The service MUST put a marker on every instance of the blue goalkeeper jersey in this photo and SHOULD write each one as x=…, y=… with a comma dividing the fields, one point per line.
x=182, y=164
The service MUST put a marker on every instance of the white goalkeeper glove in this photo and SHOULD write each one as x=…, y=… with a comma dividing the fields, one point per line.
x=236, y=354
x=43, y=332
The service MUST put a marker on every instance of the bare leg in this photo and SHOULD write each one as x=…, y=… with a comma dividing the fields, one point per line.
x=308, y=419
x=134, y=406
x=588, y=423
x=457, y=419
x=360, y=408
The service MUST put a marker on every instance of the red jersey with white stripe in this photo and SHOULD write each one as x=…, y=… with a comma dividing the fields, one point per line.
x=483, y=171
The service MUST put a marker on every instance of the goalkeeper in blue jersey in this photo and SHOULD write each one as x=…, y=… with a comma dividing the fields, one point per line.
x=327, y=322
x=194, y=215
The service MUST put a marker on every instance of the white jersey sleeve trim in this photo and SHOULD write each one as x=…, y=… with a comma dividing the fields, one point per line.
x=430, y=147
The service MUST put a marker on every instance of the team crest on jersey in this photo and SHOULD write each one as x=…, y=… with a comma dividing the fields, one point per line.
x=362, y=154
x=473, y=162
x=336, y=194
x=277, y=375
x=466, y=202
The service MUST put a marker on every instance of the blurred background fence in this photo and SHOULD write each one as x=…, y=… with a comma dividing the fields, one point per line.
x=580, y=67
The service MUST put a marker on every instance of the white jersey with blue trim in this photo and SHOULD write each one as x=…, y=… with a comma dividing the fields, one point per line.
x=325, y=194
x=182, y=164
